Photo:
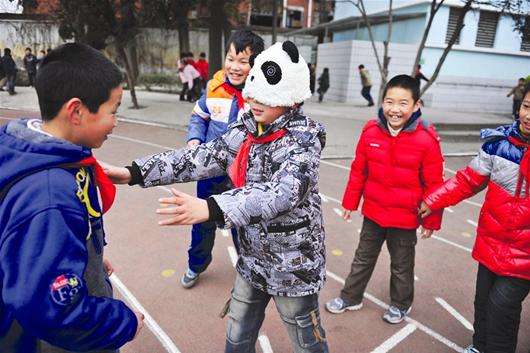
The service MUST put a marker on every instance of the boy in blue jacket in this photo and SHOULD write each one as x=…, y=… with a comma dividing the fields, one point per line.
x=221, y=105
x=55, y=291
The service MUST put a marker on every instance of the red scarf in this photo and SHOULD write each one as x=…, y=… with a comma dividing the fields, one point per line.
x=107, y=189
x=235, y=92
x=238, y=169
x=524, y=164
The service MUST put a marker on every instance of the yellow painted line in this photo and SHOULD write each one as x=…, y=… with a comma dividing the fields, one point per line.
x=163, y=205
x=337, y=252
x=466, y=234
x=168, y=273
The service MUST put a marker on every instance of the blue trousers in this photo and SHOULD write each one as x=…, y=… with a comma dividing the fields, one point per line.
x=203, y=234
x=300, y=316
x=365, y=92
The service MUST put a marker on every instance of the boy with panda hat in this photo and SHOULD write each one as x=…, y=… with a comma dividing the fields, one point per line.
x=272, y=156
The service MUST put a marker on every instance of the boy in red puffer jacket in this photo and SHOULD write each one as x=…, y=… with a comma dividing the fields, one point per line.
x=398, y=161
x=502, y=246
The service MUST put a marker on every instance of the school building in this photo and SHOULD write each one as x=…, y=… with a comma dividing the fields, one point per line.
x=484, y=64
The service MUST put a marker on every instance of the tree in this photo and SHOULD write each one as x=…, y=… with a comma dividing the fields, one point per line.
x=98, y=22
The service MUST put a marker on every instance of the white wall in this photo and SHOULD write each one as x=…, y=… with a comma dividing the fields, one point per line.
x=454, y=93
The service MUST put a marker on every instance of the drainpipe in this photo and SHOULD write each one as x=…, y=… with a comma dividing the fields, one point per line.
x=309, y=13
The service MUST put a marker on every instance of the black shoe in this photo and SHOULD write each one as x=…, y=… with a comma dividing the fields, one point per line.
x=370, y=104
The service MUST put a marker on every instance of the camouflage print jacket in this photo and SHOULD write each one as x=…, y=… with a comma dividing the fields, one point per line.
x=278, y=212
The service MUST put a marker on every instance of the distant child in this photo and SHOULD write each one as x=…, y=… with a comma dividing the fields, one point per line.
x=30, y=64
x=366, y=83
x=202, y=66
x=323, y=84
x=518, y=94
x=272, y=156
x=221, y=105
x=54, y=280
x=398, y=161
x=502, y=246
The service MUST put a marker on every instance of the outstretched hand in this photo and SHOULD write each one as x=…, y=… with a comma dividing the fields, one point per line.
x=425, y=233
x=118, y=175
x=187, y=209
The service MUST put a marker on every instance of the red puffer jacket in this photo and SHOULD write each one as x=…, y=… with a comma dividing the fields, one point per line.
x=503, y=231
x=394, y=173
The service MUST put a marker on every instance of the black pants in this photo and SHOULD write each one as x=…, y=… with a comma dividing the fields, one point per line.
x=498, y=305
x=31, y=78
x=365, y=92
x=401, y=246
x=515, y=108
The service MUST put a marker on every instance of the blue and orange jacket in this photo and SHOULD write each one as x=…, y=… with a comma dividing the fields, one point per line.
x=53, y=285
x=214, y=111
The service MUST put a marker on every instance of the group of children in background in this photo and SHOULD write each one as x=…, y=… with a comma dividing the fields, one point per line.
x=258, y=155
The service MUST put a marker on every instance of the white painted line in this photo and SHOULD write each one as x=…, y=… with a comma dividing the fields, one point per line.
x=233, y=255
x=332, y=199
x=473, y=223
x=450, y=210
x=416, y=278
x=337, y=211
x=418, y=324
x=455, y=313
x=165, y=189
x=359, y=230
x=265, y=343
x=225, y=233
x=451, y=243
x=148, y=319
x=324, y=198
x=450, y=170
x=335, y=165
x=395, y=339
x=142, y=142
x=473, y=203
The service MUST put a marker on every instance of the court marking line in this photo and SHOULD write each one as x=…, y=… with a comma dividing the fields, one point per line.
x=473, y=223
x=224, y=232
x=233, y=255
x=159, y=333
x=454, y=313
x=408, y=319
x=395, y=339
x=265, y=343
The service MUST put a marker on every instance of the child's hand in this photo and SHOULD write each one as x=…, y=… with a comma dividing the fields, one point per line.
x=140, y=319
x=188, y=209
x=425, y=233
x=424, y=210
x=194, y=142
x=346, y=214
x=118, y=175
x=108, y=267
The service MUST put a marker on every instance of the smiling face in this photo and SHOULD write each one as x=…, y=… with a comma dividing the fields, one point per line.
x=398, y=106
x=263, y=113
x=524, y=116
x=237, y=65
x=97, y=126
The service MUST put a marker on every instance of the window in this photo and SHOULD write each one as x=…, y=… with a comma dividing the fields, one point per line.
x=525, y=41
x=454, y=13
x=487, y=28
x=294, y=19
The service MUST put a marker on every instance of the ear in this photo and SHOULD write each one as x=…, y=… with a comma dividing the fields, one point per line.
x=417, y=105
x=74, y=110
x=291, y=49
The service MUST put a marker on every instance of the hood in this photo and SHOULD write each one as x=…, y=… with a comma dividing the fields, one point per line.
x=24, y=151
x=501, y=132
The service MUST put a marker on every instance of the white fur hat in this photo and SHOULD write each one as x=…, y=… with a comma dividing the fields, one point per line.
x=279, y=77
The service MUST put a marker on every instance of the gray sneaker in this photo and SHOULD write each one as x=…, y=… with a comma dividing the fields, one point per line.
x=471, y=349
x=393, y=315
x=189, y=279
x=338, y=306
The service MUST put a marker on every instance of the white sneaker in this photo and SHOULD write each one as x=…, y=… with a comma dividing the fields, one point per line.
x=338, y=306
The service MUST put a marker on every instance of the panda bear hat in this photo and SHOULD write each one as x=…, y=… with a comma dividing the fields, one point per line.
x=279, y=77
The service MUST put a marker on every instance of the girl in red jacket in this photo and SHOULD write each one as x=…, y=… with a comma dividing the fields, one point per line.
x=398, y=160
x=502, y=246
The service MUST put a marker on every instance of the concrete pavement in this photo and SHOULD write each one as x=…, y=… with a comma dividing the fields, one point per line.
x=343, y=122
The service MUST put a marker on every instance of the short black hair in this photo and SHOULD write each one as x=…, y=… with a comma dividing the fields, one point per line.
x=7, y=51
x=405, y=82
x=28, y=48
x=75, y=70
x=243, y=38
x=202, y=54
x=361, y=66
x=526, y=89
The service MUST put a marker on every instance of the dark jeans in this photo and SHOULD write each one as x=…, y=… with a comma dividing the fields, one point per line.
x=498, y=305
x=321, y=92
x=31, y=78
x=515, y=108
x=401, y=246
x=365, y=92
x=203, y=234
x=10, y=83
x=300, y=316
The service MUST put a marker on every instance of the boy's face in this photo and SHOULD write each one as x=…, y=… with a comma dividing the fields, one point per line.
x=97, y=126
x=524, y=115
x=237, y=66
x=398, y=106
x=265, y=114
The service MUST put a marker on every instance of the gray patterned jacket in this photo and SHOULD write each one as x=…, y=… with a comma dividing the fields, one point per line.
x=278, y=212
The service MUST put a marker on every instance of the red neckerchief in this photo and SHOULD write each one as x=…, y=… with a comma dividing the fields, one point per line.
x=524, y=164
x=107, y=189
x=235, y=92
x=238, y=169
